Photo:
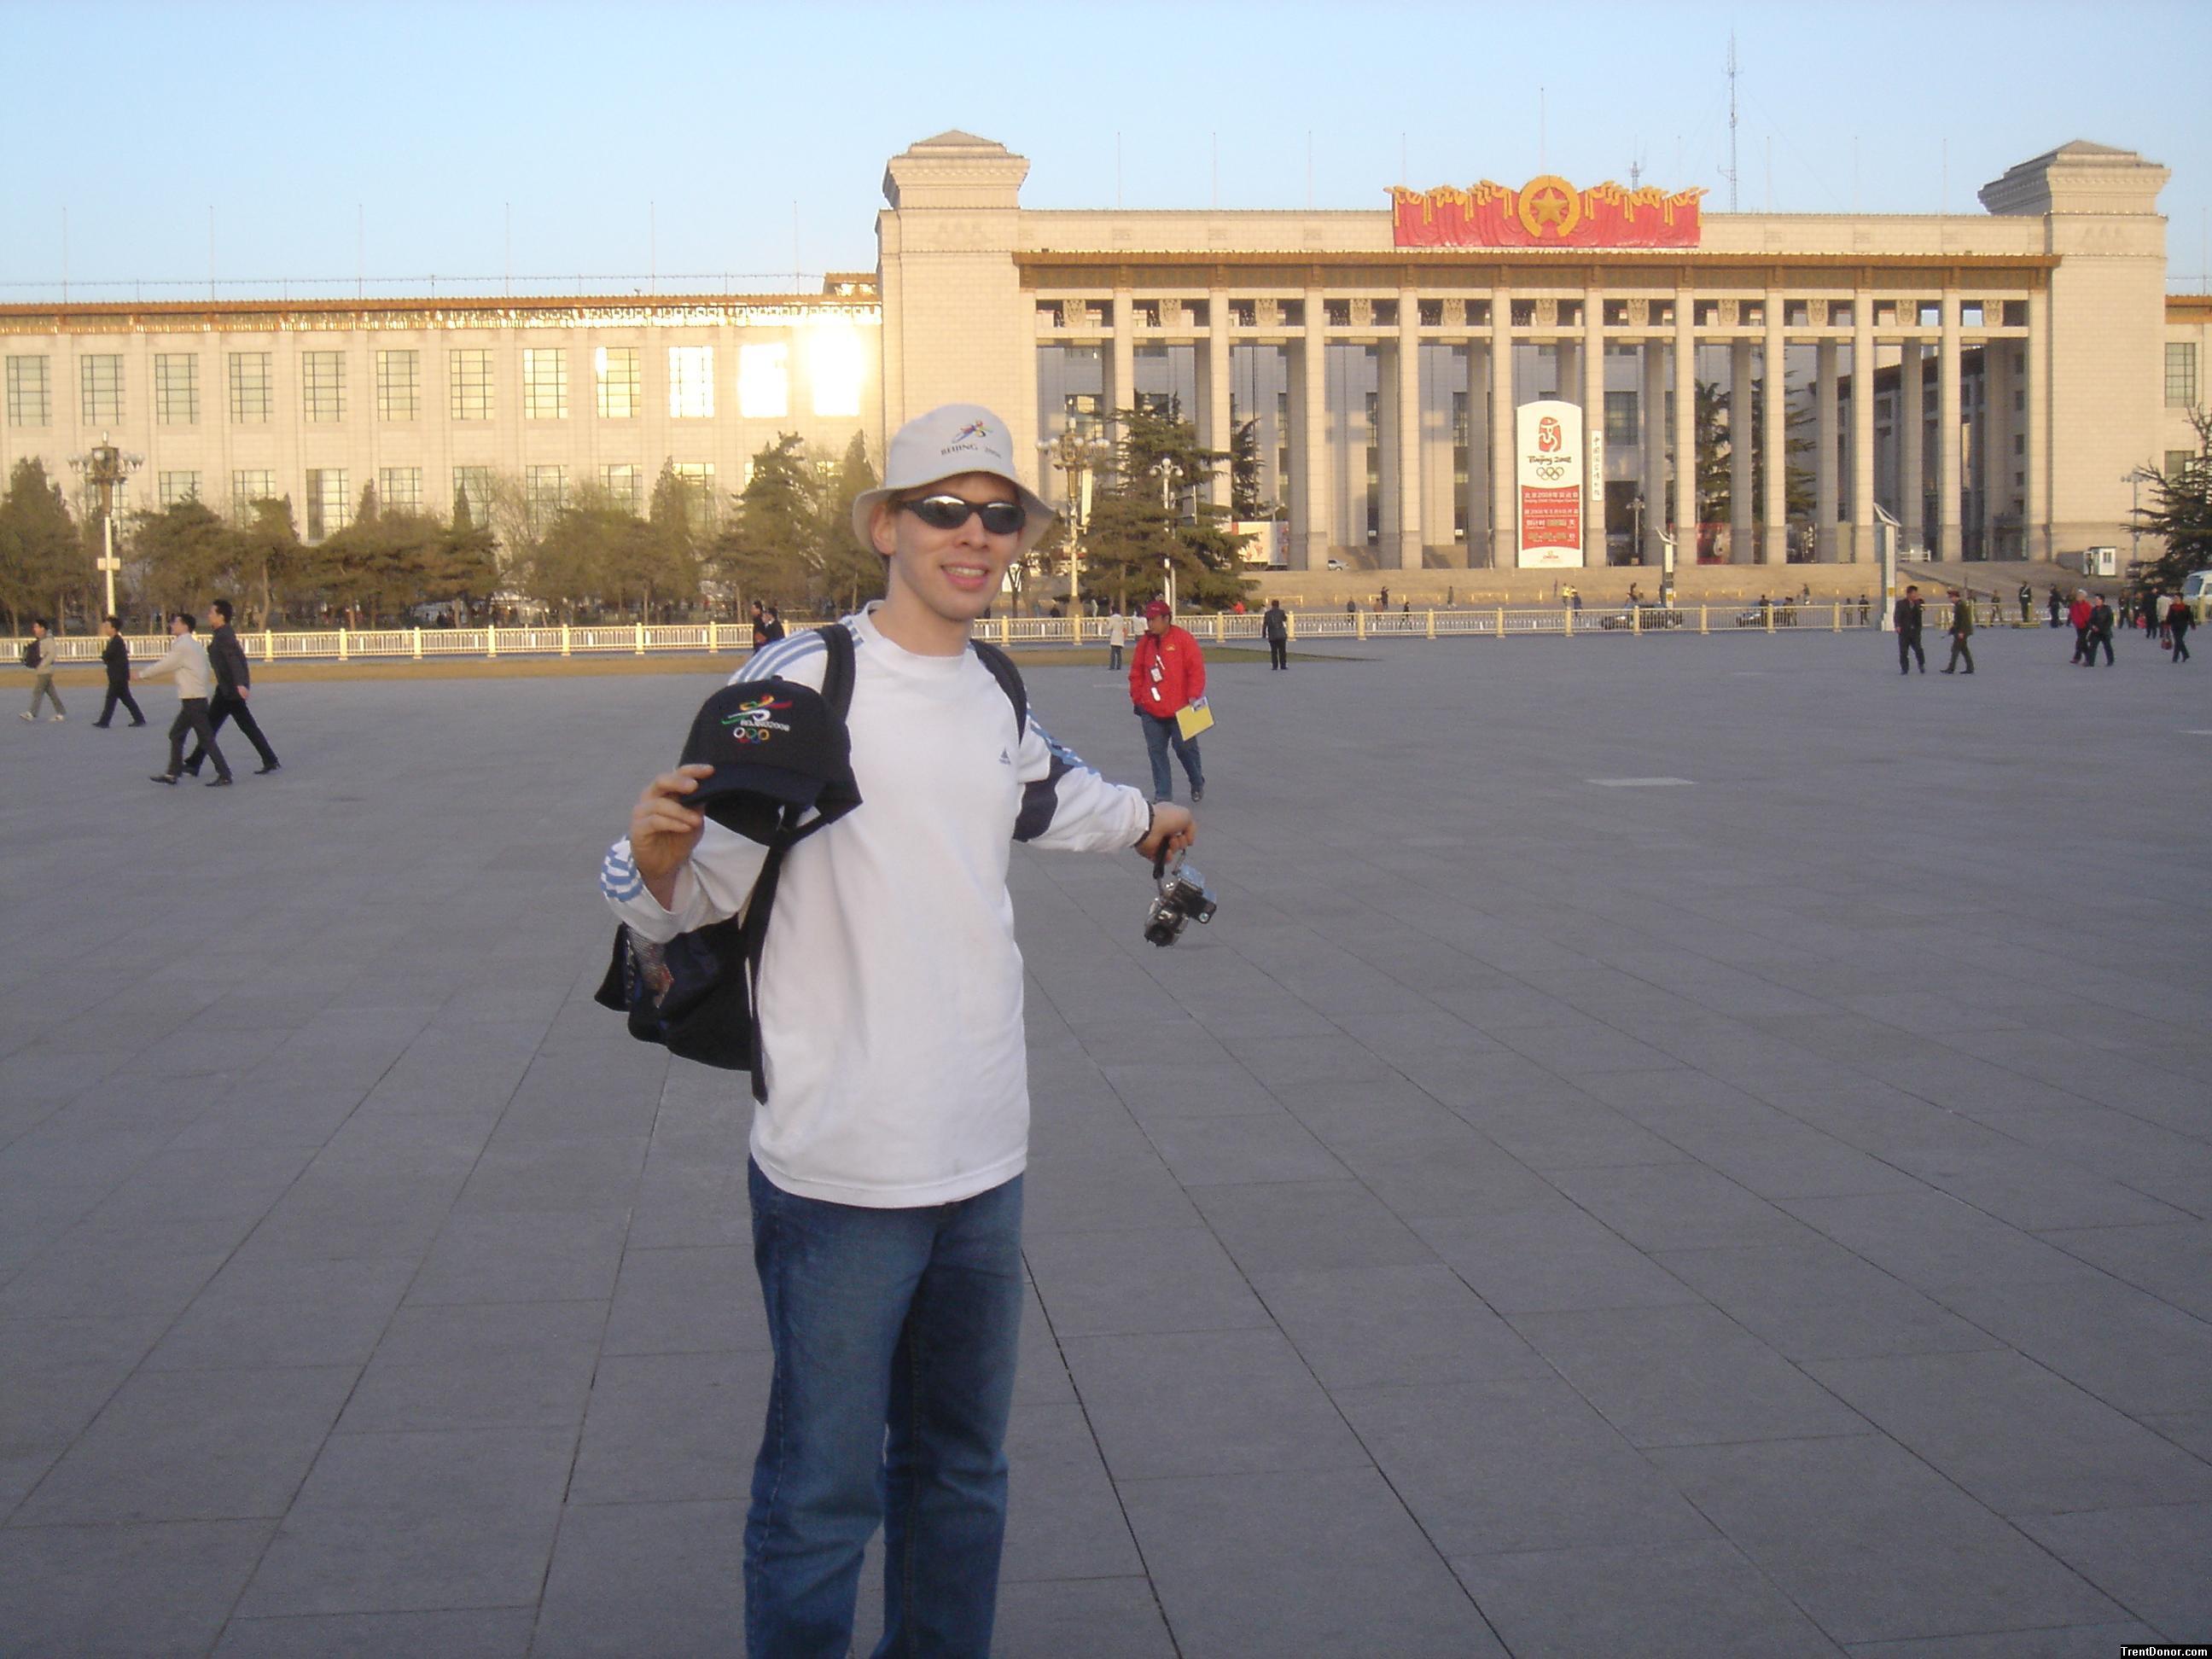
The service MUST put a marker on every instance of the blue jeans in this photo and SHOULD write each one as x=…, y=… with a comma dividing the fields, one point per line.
x=894, y=1332
x=1158, y=735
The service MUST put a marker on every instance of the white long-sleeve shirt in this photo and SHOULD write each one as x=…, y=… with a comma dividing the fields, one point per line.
x=890, y=993
x=187, y=659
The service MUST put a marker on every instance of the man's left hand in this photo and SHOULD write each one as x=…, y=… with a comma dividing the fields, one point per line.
x=1173, y=829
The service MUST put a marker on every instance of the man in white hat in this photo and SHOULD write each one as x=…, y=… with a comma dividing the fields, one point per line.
x=886, y=1170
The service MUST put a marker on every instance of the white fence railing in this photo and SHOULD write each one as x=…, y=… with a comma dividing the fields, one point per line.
x=1456, y=622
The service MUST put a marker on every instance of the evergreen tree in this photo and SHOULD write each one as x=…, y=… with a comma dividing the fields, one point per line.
x=267, y=552
x=771, y=552
x=1153, y=509
x=186, y=553
x=851, y=573
x=40, y=554
x=1245, y=500
x=2180, y=513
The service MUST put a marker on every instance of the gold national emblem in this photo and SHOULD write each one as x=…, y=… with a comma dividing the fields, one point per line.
x=1550, y=208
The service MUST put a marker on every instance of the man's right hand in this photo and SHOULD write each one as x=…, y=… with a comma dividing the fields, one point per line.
x=663, y=830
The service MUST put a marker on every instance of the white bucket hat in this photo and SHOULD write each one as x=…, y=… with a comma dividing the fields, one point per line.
x=947, y=441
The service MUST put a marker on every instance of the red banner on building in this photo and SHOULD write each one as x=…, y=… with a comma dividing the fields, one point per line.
x=1546, y=212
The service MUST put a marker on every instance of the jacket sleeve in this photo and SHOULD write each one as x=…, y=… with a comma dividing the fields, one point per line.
x=170, y=663
x=1137, y=666
x=1193, y=685
x=714, y=883
x=235, y=668
x=1067, y=805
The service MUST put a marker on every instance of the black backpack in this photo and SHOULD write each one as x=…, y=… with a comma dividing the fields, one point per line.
x=696, y=995
x=30, y=654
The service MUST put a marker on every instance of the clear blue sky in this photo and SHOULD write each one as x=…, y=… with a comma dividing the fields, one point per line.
x=400, y=139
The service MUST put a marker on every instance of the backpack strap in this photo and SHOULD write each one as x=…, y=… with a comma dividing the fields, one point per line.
x=837, y=677
x=1009, y=682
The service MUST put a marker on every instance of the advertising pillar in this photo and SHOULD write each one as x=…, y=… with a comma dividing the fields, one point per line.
x=1548, y=478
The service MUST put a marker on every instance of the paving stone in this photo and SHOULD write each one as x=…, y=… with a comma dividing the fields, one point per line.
x=1401, y=1325
x=1874, y=1544
x=1817, y=1301
x=684, y=1300
x=2065, y=1643
x=1677, y=1207
x=502, y=1257
x=645, y=1578
x=480, y=1365
x=1516, y=1464
x=1314, y=1561
x=163, y=1589
x=479, y=1632
x=1098, y=1618
x=665, y=1428
x=1689, y=1599
x=1163, y=1278
x=1213, y=1151
x=1549, y=1259
x=1294, y=1224
x=1206, y=1402
x=1064, y=1519
x=417, y=1522
x=2150, y=1560
x=2023, y=1441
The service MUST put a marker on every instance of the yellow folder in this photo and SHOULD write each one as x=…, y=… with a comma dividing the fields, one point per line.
x=1192, y=718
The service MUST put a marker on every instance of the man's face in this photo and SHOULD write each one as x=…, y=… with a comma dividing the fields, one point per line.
x=1156, y=624
x=177, y=626
x=108, y=629
x=955, y=573
x=38, y=630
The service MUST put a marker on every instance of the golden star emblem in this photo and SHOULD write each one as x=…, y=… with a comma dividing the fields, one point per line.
x=1550, y=208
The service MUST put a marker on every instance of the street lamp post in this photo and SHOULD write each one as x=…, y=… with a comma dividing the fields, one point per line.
x=104, y=466
x=1075, y=456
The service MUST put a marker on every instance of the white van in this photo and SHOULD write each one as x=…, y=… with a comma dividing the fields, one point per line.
x=2197, y=592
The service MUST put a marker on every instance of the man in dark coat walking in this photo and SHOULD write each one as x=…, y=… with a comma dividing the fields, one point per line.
x=1275, y=627
x=1962, y=630
x=115, y=658
x=234, y=684
x=1906, y=620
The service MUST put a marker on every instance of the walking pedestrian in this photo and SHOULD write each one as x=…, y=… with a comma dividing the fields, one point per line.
x=1275, y=627
x=2179, y=620
x=2078, y=615
x=1117, y=637
x=2100, y=634
x=2027, y=599
x=886, y=1161
x=1167, y=673
x=1906, y=620
x=234, y=684
x=2057, y=607
x=187, y=660
x=1962, y=628
x=40, y=656
x=115, y=656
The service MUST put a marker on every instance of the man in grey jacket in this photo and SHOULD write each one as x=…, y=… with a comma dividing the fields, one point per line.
x=45, y=649
x=187, y=660
x=234, y=684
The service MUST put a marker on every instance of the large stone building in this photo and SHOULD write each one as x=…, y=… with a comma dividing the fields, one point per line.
x=1373, y=353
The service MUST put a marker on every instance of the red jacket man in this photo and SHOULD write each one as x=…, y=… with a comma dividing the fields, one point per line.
x=1167, y=672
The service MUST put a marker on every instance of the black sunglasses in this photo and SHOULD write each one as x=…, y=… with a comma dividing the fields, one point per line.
x=951, y=512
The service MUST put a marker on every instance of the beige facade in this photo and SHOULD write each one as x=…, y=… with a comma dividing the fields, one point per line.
x=2036, y=340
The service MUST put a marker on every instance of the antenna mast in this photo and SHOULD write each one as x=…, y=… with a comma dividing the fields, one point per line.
x=1731, y=80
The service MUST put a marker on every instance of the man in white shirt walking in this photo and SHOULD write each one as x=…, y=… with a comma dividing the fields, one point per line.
x=187, y=659
x=886, y=1172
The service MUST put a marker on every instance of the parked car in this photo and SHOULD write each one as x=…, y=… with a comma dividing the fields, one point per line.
x=1336, y=564
x=1642, y=617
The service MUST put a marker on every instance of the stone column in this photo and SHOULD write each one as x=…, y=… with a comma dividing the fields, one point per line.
x=1651, y=415
x=1774, y=484
x=1313, y=463
x=1864, y=358
x=1219, y=429
x=1824, y=454
x=1741, y=443
x=2035, y=428
x=1123, y=394
x=1593, y=355
x=1411, y=534
x=1911, y=460
x=1686, y=430
x=1948, y=473
x=1504, y=551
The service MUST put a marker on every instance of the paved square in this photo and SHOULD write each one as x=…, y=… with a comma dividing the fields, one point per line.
x=1767, y=1213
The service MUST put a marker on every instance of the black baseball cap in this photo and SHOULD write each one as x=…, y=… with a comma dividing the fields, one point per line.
x=773, y=745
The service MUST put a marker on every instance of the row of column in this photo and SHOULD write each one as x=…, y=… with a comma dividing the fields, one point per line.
x=1585, y=351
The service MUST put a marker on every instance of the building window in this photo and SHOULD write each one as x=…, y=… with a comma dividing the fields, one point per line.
x=544, y=384
x=691, y=383
x=1620, y=417
x=2178, y=461
x=623, y=483
x=470, y=382
x=763, y=381
x=1336, y=313
x=1432, y=314
x=2181, y=374
x=99, y=386
x=248, y=486
x=399, y=487
x=322, y=386
x=836, y=370
x=330, y=508
x=545, y=492
x=176, y=487
x=398, y=385
x=2018, y=443
x=249, y=388
x=1839, y=313
x=1524, y=314
x=615, y=369
x=1244, y=313
x=1928, y=314
x=30, y=392
x=472, y=484
x=2016, y=314
x=697, y=478
x=1050, y=315
x=1970, y=313
x=176, y=389
x=1290, y=313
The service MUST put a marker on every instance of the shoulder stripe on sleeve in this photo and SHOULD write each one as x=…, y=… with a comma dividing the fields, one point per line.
x=780, y=657
x=618, y=877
